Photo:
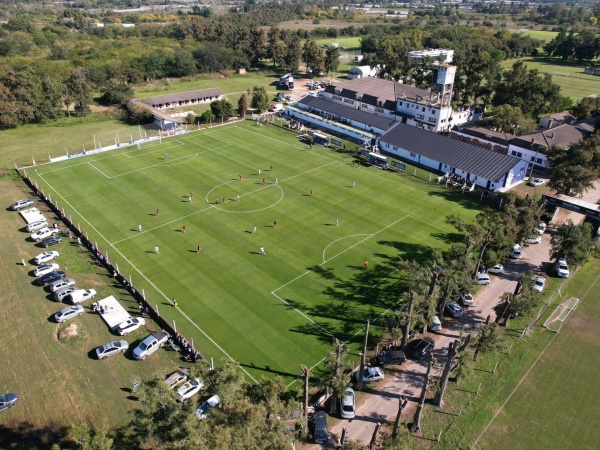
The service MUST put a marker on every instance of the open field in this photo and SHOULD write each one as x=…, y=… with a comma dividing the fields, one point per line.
x=554, y=404
x=545, y=36
x=567, y=74
x=59, y=383
x=349, y=43
x=268, y=312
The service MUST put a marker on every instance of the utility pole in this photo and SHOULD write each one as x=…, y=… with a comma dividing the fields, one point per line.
x=359, y=385
x=306, y=374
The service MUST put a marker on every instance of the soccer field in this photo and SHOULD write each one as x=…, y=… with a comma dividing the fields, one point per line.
x=272, y=312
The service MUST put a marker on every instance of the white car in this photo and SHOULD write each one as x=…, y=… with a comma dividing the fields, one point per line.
x=189, y=389
x=516, y=252
x=37, y=225
x=45, y=268
x=436, y=325
x=131, y=324
x=202, y=411
x=59, y=296
x=498, y=269
x=541, y=228
x=540, y=283
x=562, y=269
x=80, y=295
x=483, y=279
x=59, y=285
x=177, y=377
x=68, y=313
x=21, y=204
x=348, y=405
x=533, y=240
x=45, y=257
x=466, y=298
x=371, y=374
x=44, y=233
x=536, y=182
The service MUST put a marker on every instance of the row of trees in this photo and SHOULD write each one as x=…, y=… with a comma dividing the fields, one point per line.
x=579, y=46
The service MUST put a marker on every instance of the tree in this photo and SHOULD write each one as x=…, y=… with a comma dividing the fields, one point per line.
x=573, y=171
x=334, y=378
x=138, y=115
x=332, y=59
x=586, y=108
x=80, y=91
x=293, y=53
x=510, y=119
x=243, y=106
x=488, y=340
x=260, y=98
x=208, y=116
x=92, y=439
x=222, y=108
x=116, y=93
x=182, y=63
x=313, y=57
x=573, y=242
x=415, y=278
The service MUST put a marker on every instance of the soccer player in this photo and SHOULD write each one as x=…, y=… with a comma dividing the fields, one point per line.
x=337, y=222
x=311, y=193
x=140, y=227
x=166, y=156
x=199, y=249
x=354, y=184
x=238, y=197
x=366, y=263
x=254, y=230
x=259, y=171
x=276, y=180
x=158, y=212
x=275, y=224
x=184, y=228
x=156, y=250
x=262, y=251
x=190, y=198
x=240, y=177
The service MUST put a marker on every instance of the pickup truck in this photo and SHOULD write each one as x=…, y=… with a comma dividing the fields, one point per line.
x=150, y=345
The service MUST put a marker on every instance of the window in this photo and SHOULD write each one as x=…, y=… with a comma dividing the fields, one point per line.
x=395, y=148
x=400, y=103
x=540, y=161
x=423, y=108
x=347, y=100
x=432, y=120
x=379, y=110
x=337, y=97
x=364, y=105
x=413, y=155
x=420, y=116
x=517, y=154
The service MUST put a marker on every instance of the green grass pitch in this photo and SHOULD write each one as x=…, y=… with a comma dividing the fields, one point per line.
x=273, y=312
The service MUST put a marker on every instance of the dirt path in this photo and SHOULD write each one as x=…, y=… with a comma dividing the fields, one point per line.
x=407, y=379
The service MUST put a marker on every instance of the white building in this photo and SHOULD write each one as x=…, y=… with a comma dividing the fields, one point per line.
x=435, y=54
x=362, y=72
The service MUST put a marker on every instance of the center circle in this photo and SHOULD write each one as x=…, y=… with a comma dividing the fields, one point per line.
x=253, y=196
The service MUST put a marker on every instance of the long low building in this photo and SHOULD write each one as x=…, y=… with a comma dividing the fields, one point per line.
x=485, y=168
x=183, y=98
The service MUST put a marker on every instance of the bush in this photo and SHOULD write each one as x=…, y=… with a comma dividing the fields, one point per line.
x=138, y=115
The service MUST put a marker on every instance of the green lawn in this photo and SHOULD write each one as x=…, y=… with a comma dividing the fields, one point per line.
x=268, y=312
x=58, y=381
x=349, y=43
x=545, y=36
x=567, y=74
x=557, y=402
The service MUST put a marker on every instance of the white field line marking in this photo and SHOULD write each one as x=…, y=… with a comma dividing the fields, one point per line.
x=147, y=279
x=336, y=160
x=345, y=237
x=175, y=143
x=525, y=376
x=430, y=224
x=98, y=170
x=369, y=236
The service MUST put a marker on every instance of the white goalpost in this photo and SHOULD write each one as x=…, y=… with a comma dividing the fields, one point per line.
x=560, y=314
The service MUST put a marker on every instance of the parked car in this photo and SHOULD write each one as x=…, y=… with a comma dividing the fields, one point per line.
x=59, y=285
x=321, y=433
x=49, y=242
x=37, y=225
x=79, y=296
x=436, y=325
x=371, y=374
x=59, y=296
x=423, y=348
x=45, y=257
x=466, y=298
x=516, y=251
x=68, y=313
x=276, y=107
x=131, y=324
x=189, y=389
x=44, y=233
x=20, y=204
x=536, y=182
x=541, y=228
x=111, y=348
x=150, y=345
x=454, y=310
x=8, y=401
x=498, y=269
x=391, y=358
x=348, y=404
x=44, y=269
x=177, y=377
x=50, y=277
x=483, y=279
x=540, y=284
x=202, y=411
x=562, y=269
x=533, y=240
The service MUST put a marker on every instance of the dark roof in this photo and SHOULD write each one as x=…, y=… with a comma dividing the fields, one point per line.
x=485, y=133
x=470, y=158
x=182, y=96
x=562, y=136
x=384, y=90
x=347, y=112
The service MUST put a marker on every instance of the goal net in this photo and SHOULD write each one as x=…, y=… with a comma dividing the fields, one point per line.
x=560, y=314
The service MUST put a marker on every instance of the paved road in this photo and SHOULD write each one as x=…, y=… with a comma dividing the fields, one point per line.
x=408, y=379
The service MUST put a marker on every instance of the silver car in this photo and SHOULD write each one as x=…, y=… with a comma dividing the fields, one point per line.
x=60, y=295
x=68, y=313
x=21, y=204
x=59, y=285
x=111, y=348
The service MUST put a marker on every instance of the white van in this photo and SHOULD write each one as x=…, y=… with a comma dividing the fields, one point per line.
x=516, y=251
x=80, y=295
x=276, y=107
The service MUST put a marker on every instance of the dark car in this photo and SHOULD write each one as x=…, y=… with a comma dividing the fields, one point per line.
x=423, y=348
x=50, y=241
x=50, y=277
x=454, y=310
x=8, y=401
x=391, y=357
